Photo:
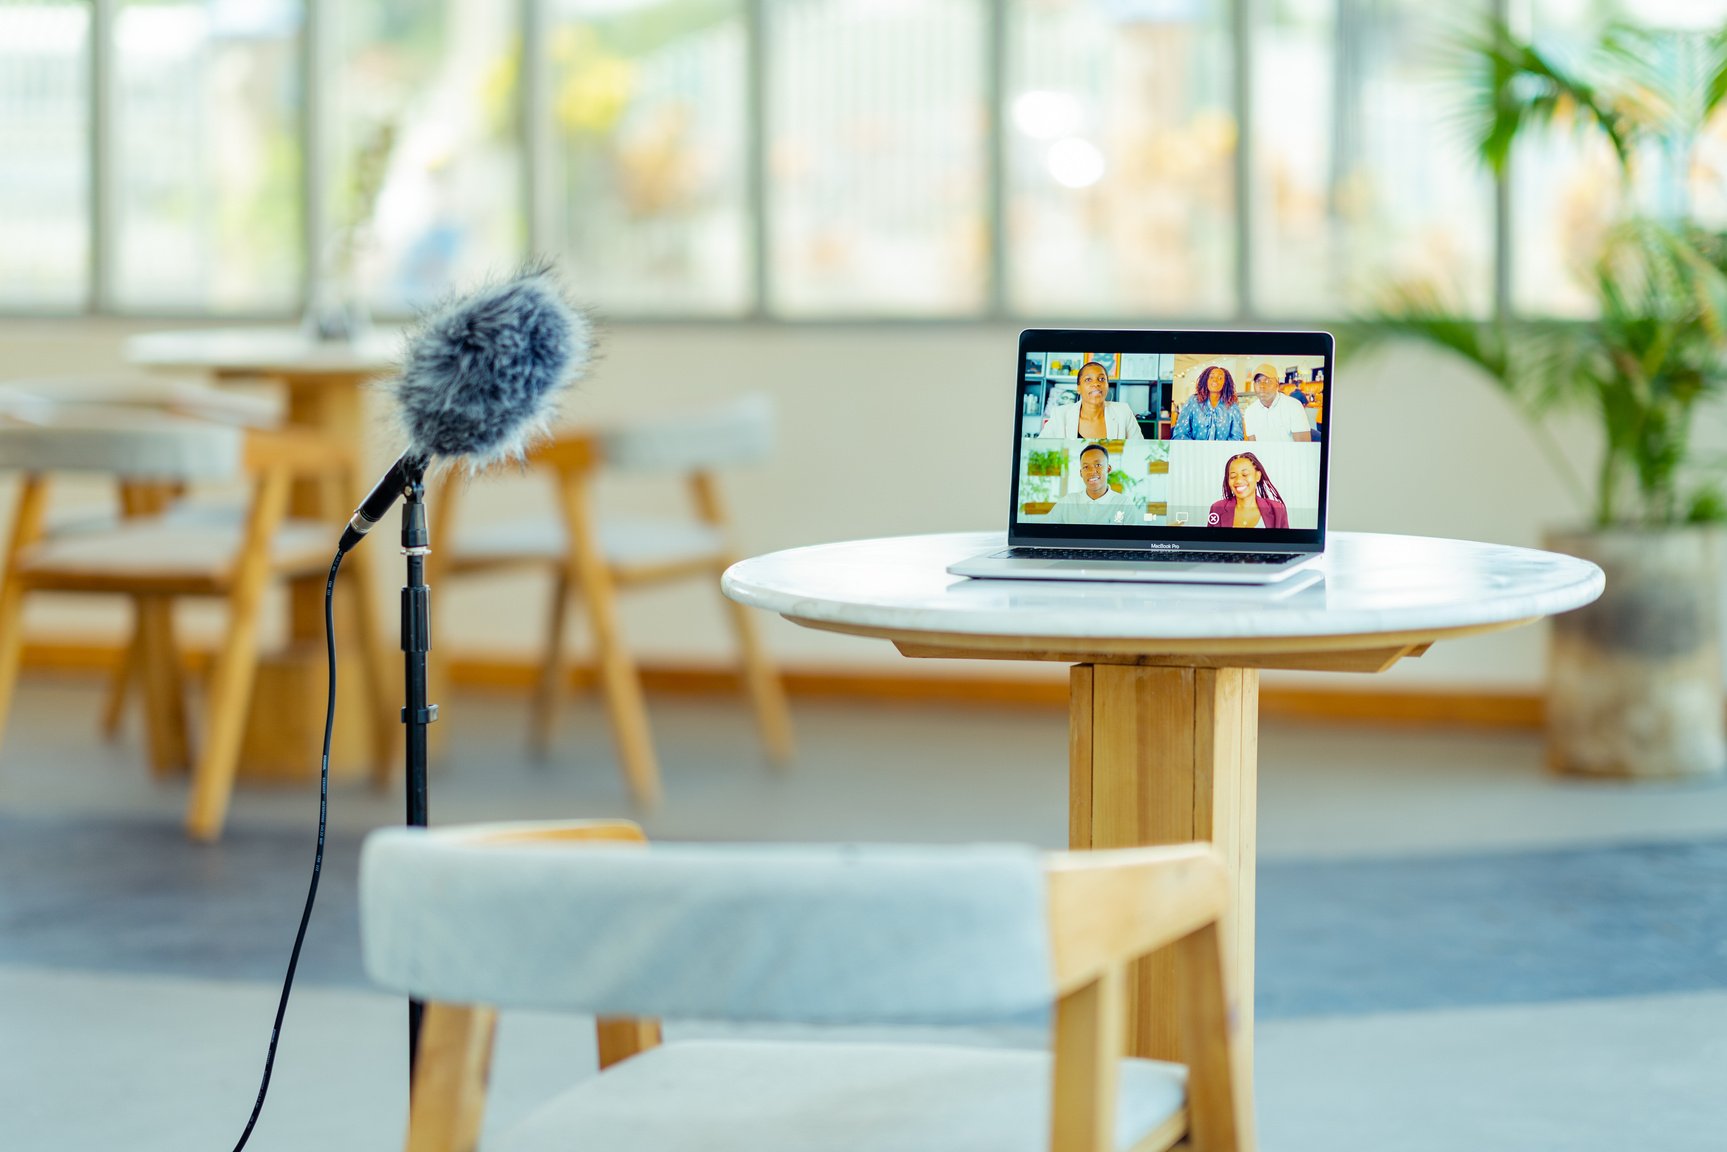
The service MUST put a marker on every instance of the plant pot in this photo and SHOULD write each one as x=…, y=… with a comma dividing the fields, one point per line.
x=1634, y=684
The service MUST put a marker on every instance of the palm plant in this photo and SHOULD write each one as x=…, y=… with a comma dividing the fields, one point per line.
x=1655, y=351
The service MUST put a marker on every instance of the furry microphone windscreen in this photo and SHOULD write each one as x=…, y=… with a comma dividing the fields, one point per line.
x=481, y=375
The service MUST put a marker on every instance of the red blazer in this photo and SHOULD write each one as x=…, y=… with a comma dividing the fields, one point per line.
x=1272, y=513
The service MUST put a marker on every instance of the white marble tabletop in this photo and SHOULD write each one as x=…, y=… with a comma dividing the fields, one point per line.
x=279, y=350
x=1371, y=585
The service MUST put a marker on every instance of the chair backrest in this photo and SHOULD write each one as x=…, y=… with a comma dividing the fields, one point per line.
x=878, y=934
x=125, y=443
x=735, y=433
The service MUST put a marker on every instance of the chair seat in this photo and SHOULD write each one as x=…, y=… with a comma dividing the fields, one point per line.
x=756, y=1096
x=194, y=546
x=632, y=543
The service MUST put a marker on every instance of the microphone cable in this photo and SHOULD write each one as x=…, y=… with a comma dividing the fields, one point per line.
x=317, y=860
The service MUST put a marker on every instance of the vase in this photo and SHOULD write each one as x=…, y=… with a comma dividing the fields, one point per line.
x=1634, y=681
x=336, y=307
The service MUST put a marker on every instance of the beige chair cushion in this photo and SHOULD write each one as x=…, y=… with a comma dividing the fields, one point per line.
x=125, y=443
x=739, y=432
x=47, y=398
x=633, y=543
x=198, y=545
x=752, y=1096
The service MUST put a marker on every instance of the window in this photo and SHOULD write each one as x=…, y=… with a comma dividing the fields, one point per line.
x=207, y=105
x=646, y=200
x=1362, y=175
x=422, y=158
x=1120, y=159
x=876, y=157
x=1565, y=189
x=1052, y=161
x=44, y=155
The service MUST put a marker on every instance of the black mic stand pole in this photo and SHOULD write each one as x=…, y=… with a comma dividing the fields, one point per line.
x=416, y=713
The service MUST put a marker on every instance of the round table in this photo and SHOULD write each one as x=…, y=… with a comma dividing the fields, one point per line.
x=1163, y=698
x=323, y=385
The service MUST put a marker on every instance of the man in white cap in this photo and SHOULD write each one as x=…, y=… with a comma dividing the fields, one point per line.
x=1273, y=416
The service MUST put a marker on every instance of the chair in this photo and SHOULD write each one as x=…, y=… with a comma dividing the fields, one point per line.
x=584, y=918
x=596, y=557
x=155, y=560
x=47, y=399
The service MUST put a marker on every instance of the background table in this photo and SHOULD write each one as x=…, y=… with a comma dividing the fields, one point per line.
x=1163, y=709
x=323, y=385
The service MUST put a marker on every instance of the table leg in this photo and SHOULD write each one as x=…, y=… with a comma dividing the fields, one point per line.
x=1167, y=756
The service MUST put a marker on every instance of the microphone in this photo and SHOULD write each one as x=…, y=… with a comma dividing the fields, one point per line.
x=479, y=382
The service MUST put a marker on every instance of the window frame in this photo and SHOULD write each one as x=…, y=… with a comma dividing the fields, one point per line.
x=317, y=56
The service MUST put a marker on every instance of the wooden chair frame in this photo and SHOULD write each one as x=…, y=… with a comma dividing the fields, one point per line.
x=1106, y=910
x=274, y=459
x=574, y=460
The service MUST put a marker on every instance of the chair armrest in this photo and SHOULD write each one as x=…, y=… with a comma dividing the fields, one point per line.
x=568, y=452
x=297, y=451
x=1109, y=907
x=552, y=832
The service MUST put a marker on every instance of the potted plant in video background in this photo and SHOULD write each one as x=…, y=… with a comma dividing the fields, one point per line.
x=1634, y=680
x=1044, y=469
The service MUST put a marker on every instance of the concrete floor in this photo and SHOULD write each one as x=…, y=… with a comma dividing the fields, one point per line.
x=154, y=1061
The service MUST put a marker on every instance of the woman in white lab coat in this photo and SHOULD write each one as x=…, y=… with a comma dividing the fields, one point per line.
x=1093, y=418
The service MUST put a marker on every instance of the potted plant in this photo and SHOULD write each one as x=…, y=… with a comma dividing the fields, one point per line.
x=1634, y=681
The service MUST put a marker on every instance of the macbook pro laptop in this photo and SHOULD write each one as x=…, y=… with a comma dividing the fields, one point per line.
x=1189, y=457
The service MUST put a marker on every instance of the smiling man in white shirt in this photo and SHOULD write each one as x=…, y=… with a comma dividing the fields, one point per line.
x=1096, y=502
x=1273, y=415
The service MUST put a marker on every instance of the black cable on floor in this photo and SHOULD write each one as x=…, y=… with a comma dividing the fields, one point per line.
x=317, y=860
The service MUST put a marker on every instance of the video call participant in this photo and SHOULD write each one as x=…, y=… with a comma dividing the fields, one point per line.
x=1097, y=502
x=1211, y=412
x=1250, y=499
x=1272, y=415
x=1093, y=418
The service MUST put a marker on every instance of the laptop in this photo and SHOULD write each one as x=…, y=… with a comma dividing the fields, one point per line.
x=1132, y=457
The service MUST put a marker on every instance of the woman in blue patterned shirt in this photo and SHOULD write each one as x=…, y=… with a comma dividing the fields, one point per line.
x=1211, y=414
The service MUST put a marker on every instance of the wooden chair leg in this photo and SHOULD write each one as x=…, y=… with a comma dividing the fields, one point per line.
x=624, y=704
x=762, y=680
x=137, y=499
x=1087, y=1046
x=620, y=1037
x=554, y=670
x=236, y=665
x=229, y=694
x=130, y=668
x=158, y=662
x=26, y=528
x=11, y=641
x=1221, y=1116
x=448, y=1103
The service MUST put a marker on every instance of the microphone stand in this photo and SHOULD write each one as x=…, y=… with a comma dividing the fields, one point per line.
x=416, y=712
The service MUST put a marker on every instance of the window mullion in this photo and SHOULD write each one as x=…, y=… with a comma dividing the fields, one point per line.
x=1502, y=256
x=995, y=196
x=317, y=62
x=1241, y=43
x=538, y=136
x=100, y=291
x=756, y=59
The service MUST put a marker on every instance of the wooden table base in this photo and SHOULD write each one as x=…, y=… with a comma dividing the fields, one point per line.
x=1166, y=755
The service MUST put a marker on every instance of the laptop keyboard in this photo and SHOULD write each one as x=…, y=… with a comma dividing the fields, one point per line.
x=1135, y=556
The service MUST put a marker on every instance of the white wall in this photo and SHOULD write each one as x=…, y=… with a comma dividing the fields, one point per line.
x=1420, y=447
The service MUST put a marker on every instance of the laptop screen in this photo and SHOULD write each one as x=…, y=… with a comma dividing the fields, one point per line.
x=1195, y=438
